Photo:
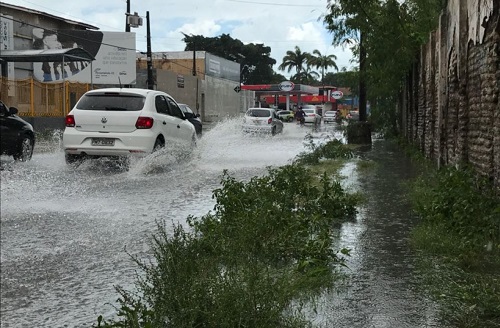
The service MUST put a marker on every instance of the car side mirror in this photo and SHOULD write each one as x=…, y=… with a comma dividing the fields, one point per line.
x=13, y=110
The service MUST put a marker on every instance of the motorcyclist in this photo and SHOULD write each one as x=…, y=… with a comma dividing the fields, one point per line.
x=300, y=115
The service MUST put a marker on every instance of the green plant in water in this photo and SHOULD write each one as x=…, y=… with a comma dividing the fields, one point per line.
x=265, y=248
x=333, y=149
x=459, y=242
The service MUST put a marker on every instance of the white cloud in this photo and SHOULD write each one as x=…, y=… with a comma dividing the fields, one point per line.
x=279, y=24
x=305, y=32
x=207, y=28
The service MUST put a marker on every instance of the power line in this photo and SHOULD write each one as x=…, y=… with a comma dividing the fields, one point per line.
x=273, y=4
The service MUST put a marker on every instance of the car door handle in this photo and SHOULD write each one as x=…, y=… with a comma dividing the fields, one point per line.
x=164, y=123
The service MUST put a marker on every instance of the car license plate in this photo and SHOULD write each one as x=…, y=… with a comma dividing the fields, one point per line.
x=103, y=142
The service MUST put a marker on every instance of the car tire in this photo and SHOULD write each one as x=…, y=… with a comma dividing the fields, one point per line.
x=73, y=159
x=25, y=151
x=159, y=143
x=273, y=131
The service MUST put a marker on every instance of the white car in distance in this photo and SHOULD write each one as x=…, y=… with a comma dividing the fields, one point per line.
x=117, y=123
x=262, y=120
x=330, y=116
x=312, y=115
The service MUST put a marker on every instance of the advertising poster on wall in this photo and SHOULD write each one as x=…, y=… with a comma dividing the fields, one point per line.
x=7, y=39
x=7, y=43
x=221, y=68
x=114, y=54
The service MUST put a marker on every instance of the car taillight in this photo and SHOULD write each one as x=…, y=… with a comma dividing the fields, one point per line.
x=70, y=121
x=269, y=120
x=144, y=122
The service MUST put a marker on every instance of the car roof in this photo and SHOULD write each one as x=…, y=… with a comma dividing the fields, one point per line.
x=138, y=91
x=261, y=108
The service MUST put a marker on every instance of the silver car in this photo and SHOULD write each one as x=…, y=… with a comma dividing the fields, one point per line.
x=262, y=120
x=330, y=116
x=312, y=116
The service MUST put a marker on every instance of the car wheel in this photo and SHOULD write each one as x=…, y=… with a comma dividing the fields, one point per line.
x=25, y=150
x=273, y=131
x=159, y=143
x=73, y=159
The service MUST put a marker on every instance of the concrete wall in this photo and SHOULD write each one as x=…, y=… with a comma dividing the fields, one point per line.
x=451, y=107
x=221, y=101
x=216, y=99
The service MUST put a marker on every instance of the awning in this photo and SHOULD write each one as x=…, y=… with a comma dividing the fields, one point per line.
x=46, y=55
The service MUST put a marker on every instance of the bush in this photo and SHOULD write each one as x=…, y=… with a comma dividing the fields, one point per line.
x=459, y=242
x=265, y=249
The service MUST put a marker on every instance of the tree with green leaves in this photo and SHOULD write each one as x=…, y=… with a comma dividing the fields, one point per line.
x=255, y=59
x=344, y=79
x=318, y=60
x=295, y=60
x=306, y=76
x=374, y=28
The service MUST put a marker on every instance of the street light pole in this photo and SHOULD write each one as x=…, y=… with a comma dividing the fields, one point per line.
x=127, y=25
x=149, y=54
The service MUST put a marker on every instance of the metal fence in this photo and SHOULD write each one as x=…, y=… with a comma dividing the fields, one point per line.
x=38, y=99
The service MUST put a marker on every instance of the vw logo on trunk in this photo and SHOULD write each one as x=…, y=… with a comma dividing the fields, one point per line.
x=104, y=120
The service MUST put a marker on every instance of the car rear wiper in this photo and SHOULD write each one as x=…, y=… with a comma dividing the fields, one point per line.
x=114, y=108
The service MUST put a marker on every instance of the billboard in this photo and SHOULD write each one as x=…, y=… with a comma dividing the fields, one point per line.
x=222, y=68
x=7, y=40
x=114, y=54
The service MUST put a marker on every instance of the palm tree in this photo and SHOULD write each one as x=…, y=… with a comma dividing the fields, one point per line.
x=322, y=61
x=306, y=76
x=294, y=59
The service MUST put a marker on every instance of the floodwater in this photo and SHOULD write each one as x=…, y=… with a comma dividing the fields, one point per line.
x=66, y=234
x=381, y=290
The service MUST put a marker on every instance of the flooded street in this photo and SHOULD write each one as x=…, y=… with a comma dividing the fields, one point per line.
x=381, y=290
x=65, y=233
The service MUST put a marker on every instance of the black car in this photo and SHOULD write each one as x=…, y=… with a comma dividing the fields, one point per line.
x=16, y=135
x=193, y=118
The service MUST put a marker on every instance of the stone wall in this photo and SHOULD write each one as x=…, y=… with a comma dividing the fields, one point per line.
x=451, y=107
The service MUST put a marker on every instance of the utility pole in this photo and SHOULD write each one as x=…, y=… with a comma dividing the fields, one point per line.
x=149, y=54
x=127, y=26
x=194, y=58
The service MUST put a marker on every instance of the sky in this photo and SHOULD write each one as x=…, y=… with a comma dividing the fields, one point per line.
x=279, y=24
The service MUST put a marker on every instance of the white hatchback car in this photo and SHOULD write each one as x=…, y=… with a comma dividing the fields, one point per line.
x=116, y=122
x=262, y=120
x=312, y=115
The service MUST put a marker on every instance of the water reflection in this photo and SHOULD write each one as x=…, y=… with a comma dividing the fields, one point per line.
x=380, y=289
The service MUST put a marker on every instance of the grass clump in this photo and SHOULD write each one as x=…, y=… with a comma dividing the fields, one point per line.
x=459, y=239
x=333, y=149
x=264, y=250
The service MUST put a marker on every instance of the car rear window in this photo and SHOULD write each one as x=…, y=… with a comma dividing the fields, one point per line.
x=309, y=111
x=120, y=102
x=258, y=112
x=330, y=113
